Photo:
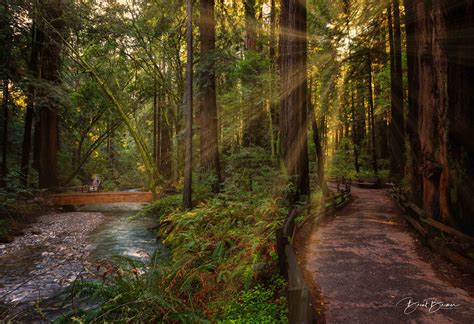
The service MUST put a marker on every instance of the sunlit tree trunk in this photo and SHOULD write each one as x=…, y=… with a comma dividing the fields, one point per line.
x=372, y=115
x=355, y=130
x=317, y=143
x=250, y=25
x=273, y=67
x=293, y=107
x=188, y=167
x=207, y=94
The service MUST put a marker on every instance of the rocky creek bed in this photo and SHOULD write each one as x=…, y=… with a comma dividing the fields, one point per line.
x=56, y=249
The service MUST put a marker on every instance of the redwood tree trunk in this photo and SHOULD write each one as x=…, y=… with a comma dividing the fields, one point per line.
x=355, y=131
x=371, y=118
x=433, y=105
x=411, y=26
x=207, y=94
x=460, y=25
x=273, y=70
x=188, y=164
x=5, y=55
x=317, y=143
x=293, y=105
x=444, y=39
x=50, y=71
x=397, y=136
x=250, y=25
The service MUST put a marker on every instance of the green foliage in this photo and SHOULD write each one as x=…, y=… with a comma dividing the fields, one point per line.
x=341, y=163
x=131, y=291
x=163, y=206
x=257, y=305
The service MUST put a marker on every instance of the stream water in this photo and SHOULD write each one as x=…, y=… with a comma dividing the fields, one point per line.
x=39, y=266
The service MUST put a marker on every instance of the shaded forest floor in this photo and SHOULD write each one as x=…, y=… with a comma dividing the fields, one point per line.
x=367, y=265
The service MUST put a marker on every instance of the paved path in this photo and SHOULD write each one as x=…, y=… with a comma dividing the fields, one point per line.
x=364, y=262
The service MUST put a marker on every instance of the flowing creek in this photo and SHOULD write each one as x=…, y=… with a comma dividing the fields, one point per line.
x=38, y=266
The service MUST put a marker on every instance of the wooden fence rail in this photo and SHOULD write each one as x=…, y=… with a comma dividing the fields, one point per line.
x=300, y=307
x=428, y=228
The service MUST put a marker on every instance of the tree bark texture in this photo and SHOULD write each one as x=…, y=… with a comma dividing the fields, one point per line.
x=293, y=104
x=188, y=163
x=445, y=40
x=207, y=94
x=397, y=137
x=48, y=104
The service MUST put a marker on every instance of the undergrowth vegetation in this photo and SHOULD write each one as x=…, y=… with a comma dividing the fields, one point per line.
x=222, y=262
x=342, y=162
x=16, y=209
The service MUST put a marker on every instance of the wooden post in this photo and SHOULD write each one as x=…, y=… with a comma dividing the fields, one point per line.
x=281, y=243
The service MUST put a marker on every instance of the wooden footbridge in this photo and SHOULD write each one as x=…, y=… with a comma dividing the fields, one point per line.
x=91, y=198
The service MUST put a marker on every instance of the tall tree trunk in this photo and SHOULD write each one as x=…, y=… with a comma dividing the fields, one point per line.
x=6, y=95
x=36, y=43
x=294, y=87
x=188, y=165
x=372, y=116
x=250, y=25
x=50, y=71
x=36, y=145
x=273, y=71
x=460, y=116
x=412, y=114
x=317, y=143
x=355, y=131
x=397, y=136
x=5, y=56
x=432, y=105
x=207, y=94
x=445, y=95
x=155, y=124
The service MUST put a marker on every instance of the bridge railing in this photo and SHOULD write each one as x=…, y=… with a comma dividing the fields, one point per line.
x=363, y=182
x=429, y=229
x=300, y=304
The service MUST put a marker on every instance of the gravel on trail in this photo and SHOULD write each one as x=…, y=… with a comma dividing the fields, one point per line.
x=365, y=266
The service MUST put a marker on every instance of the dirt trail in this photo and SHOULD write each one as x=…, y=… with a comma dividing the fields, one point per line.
x=369, y=269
